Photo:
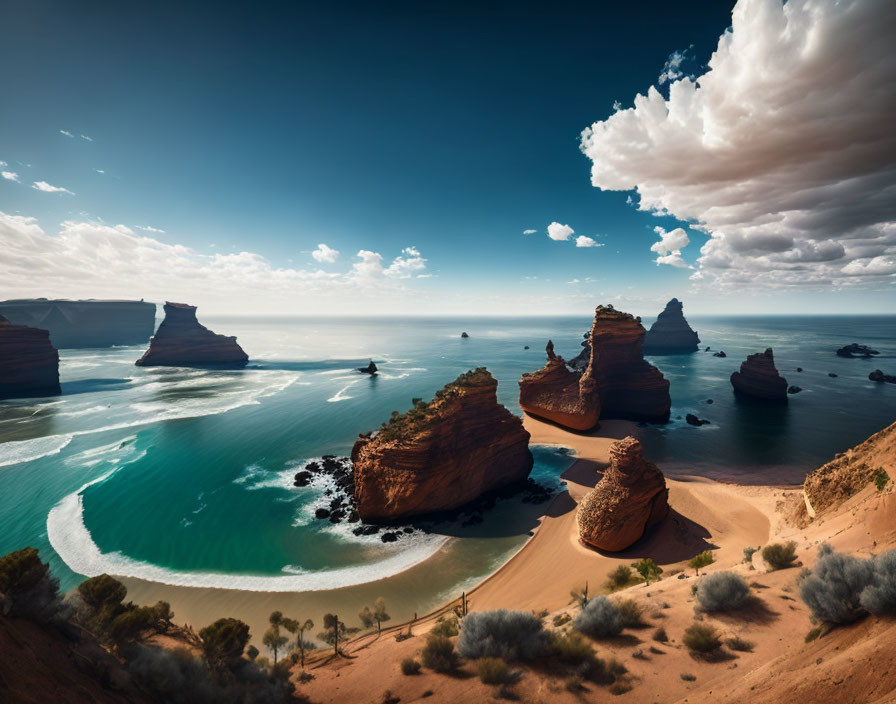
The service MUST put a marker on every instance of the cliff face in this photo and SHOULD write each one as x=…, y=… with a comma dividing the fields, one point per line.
x=29, y=364
x=630, y=498
x=85, y=323
x=758, y=378
x=441, y=455
x=671, y=334
x=181, y=341
x=565, y=397
x=616, y=382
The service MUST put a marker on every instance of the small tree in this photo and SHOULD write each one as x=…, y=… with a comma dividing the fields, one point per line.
x=648, y=569
x=704, y=559
x=163, y=613
x=298, y=629
x=30, y=588
x=274, y=640
x=376, y=615
x=334, y=631
x=223, y=642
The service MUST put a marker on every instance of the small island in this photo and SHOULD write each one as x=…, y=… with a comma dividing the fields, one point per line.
x=181, y=341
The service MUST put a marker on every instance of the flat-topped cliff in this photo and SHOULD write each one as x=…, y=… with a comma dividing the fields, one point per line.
x=29, y=364
x=758, y=378
x=671, y=334
x=629, y=499
x=89, y=323
x=442, y=454
x=181, y=341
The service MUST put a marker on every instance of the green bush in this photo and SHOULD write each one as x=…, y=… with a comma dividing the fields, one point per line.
x=722, y=591
x=223, y=642
x=703, y=559
x=687, y=677
x=571, y=648
x=439, y=654
x=779, y=556
x=493, y=671
x=601, y=618
x=701, y=638
x=880, y=478
x=409, y=666
x=32, y=591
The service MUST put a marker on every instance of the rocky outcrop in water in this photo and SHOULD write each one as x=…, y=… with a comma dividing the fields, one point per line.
x=629, y=499
x=442, y=454
x=671, y=334
x=566, y=397
x=881, y=378
x=29, y=364
x=758, y=378
x=856, y=350
x=88, y=323
x=181, y=341
x=616, y=383
x=369, y=369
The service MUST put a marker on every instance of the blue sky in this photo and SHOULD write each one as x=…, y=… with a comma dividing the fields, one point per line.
x=446, y=132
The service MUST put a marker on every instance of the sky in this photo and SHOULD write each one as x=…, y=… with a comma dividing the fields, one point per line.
x=462, y=158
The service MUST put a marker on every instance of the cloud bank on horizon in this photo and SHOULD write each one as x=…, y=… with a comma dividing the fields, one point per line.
x=783, y=152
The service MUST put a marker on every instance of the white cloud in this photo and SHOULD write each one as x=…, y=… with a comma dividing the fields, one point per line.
x=583, y=241
x=88, y=259
x=529, y=232
x=559, y=232
x=10, y=175
x=67, y=133
x=84, y=136
x=669, y=247
x=150, y=228
x=325, y=254
x=783, y=151
x=877, y=266
x=47, y=188
x=672, y=70
x=574, y=281
x=100, y=171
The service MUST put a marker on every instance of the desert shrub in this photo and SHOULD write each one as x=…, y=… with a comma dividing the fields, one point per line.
x=512, y=635
x=631, y=611
x=619, y=578
x=571, y=648
x=600, y=671
x=439, y=654
x=493, y=671
x=409, y=666
x=879, y=597
x=739, y=644
x=573, y=684
x=779, y=556
x=687, y=677
x=31, y=590
x=659, y=635
x=722, y=591
x=223, y=642
x=832, y=590
x=601, y=618
x=814, y=633
x=880, y=478
x=446, y=627
x=701, y=638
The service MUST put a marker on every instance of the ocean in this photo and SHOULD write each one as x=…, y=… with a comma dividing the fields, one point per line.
x=184, y=476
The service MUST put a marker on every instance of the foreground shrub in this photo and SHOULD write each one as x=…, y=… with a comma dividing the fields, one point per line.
x=29, y=587
x=879, y=597
x=601, y=618
x=571, y=648
x=511, y=635
x=409, y=666
x=223, y=642
x=619, y=578
x=493, y=671
x=832, y=590
x=631, y=612
x=446, y=627
x=701, y=638
x=739, y=644
x=438, y=654
x=779, y=556
x=722, y=591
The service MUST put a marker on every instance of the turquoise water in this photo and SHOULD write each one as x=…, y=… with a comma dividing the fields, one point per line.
x=184, y=476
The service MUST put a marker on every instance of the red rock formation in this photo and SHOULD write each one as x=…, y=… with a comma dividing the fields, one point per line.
x=181, y=341
x=629, y=387
x=758, y=378
x=615, y=383
x=29, y=364
x=565, y=397
x=441, y=455
x=671, y=334
x=630, y=498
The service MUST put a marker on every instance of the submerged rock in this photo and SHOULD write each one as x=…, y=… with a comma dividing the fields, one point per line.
x=181, y=341
x=856, y=350
x=629, y=499
x=29, y=364
x=720, y=353
x=694, y=420
x=878, y=376
x=441, y=455
x=758, y=378
x=671, y=334
x=794, y=389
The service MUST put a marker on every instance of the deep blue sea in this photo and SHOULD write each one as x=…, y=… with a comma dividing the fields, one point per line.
x=184, y=476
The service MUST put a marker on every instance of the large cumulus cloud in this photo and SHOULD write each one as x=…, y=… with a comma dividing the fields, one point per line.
x=783, y=152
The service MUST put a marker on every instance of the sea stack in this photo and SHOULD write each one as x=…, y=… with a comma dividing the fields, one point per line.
x=616, y=382
x=671, y=334
x=181, y=341
x=557, y=394
x=29, y=364
x=440, y=455
x=759, y=379
x=629, y=499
